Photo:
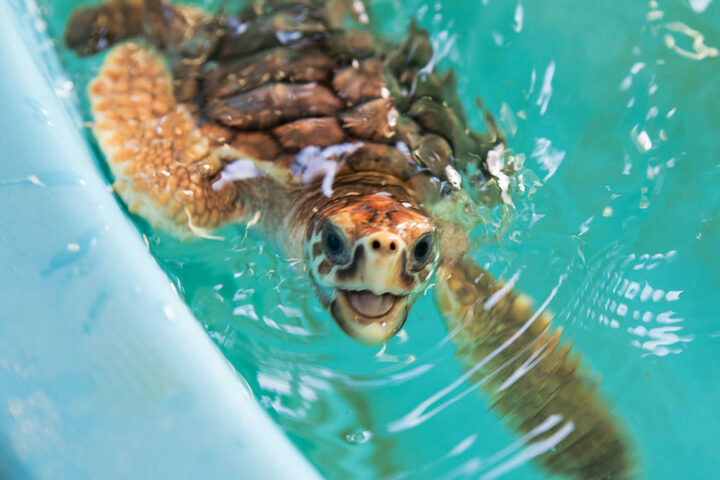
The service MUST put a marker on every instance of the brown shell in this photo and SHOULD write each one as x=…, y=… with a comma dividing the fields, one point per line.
x=273, y=80
x=286, y=74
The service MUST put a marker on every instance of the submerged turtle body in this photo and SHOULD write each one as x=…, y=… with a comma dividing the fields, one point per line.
x=346, y=151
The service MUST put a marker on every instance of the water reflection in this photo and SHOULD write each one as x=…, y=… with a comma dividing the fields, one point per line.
x=677, y=30
x=531, y=448
x=546, y=89
x=549, y=157
x=700, y=51
x=622, y=299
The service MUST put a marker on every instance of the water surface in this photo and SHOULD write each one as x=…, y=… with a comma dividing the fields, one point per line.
x=613, y=106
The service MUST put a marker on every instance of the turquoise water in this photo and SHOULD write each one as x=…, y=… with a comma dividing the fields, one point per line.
x=614, y=110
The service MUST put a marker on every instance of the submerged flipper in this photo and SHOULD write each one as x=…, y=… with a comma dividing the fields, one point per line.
x=164, y=164
x=514, y=354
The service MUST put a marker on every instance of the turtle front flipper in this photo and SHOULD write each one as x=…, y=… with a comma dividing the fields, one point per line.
x=166, y=168
x=511, y=350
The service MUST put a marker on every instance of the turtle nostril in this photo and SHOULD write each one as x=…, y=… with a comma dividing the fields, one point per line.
x=375, y=245
x=392, y=246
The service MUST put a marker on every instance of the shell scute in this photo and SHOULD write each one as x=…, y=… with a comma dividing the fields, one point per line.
x=306, y=132
x=361, y=82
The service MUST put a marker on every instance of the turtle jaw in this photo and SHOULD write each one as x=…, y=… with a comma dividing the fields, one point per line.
x=369, y=318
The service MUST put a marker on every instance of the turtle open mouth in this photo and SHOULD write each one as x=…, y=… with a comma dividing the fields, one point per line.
x=369, y=304
x=368, y=317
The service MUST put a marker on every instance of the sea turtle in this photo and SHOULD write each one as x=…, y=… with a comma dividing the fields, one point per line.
x=347, y=152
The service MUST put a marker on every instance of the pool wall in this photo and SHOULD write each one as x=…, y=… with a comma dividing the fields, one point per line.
x=104, y=372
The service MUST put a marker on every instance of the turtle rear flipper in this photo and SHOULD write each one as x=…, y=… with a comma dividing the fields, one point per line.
x=166, y=168
x=511, y=350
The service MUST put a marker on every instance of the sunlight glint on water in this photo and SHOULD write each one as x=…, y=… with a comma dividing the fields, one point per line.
x=617, y=225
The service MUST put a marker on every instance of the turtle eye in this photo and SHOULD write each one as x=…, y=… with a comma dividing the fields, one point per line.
x=422, y=249
x=335, y=245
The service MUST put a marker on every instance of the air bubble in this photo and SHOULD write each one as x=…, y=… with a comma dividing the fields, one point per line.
x=358, y=438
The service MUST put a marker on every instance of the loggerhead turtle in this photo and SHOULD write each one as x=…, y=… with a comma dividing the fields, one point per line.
x=346, y=151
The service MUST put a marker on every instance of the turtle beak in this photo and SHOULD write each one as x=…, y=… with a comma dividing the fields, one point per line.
x=370, y=318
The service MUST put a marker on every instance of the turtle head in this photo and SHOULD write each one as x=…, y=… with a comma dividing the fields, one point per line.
x=369, y=258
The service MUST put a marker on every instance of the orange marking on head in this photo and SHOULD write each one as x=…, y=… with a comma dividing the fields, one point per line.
x=373, y=213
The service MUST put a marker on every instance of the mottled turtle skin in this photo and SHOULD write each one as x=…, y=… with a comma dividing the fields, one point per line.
x=345, y=150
